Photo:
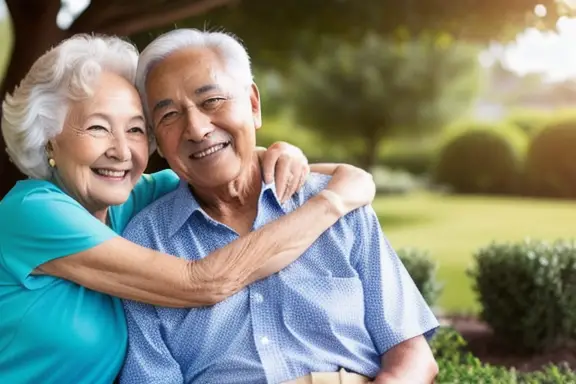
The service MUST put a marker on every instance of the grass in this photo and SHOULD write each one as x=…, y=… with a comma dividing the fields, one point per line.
x=453, y=227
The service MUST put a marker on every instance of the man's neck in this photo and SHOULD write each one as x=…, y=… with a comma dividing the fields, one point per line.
x=236, y=203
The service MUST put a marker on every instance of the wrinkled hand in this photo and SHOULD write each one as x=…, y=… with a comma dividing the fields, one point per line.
x=350, y=188
x=287, y=166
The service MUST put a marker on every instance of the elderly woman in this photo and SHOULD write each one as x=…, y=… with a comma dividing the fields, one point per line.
x=75, y=126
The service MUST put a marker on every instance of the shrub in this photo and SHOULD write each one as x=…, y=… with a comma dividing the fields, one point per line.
x=482, y=159
x=394, y=182
x=457, y=365
x=551, y=160
x=527, y=291
x=422, y=269
x=529, y=121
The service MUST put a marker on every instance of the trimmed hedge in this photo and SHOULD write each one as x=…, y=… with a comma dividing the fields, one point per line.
x=551, y=160
x=482, y=158
x=527, y=291
x=422, y=269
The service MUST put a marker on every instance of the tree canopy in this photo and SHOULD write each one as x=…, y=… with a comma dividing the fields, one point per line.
x=275, y=31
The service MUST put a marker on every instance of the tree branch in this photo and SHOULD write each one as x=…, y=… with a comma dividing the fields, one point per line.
x=127, y=20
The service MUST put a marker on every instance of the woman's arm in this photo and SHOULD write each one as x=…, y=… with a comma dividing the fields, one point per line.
x=124, y=269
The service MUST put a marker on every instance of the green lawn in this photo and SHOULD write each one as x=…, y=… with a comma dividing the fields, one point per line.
x=452, y=228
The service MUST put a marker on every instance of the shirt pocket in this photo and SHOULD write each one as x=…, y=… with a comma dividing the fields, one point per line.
x=322, y=304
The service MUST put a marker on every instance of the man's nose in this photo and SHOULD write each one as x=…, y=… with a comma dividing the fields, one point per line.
x=198, y=125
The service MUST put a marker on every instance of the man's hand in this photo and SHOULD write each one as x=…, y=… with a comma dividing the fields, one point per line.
x=286, y=165
x=410, y=362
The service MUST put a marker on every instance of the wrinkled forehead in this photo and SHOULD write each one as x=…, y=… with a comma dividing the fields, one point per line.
x=190, y=68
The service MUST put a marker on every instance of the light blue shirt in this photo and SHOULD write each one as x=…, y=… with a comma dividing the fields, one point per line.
x=344, y=303
x=53, y=330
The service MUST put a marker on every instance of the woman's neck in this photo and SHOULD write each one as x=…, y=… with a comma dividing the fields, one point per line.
x=99, y=213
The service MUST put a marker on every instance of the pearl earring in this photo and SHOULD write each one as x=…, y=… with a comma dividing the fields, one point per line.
x=52, y=162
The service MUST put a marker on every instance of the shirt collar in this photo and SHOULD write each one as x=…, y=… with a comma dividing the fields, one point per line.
x=185, y=204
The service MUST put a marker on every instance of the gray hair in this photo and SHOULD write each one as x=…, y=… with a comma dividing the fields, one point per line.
x=233, y=54
x=35, y=112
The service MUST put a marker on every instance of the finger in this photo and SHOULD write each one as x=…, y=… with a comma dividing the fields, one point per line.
x=293, y=186
x=304, y=177
x=282, y=173
x=288, y=188
x=269, y=161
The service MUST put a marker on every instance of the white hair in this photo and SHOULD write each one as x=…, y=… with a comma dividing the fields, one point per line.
x=35, y=112
x=234, y=56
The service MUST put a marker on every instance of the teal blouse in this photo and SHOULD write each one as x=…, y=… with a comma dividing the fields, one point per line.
x=53, y=330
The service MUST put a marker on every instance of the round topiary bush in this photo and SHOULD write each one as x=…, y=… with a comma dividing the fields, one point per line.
x=527, y=291
x=482, y=158
x=551, y=160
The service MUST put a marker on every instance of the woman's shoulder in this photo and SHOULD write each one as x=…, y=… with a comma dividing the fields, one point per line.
x=31, y=191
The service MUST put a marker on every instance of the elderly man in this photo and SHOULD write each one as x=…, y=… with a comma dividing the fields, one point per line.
x=346, y=311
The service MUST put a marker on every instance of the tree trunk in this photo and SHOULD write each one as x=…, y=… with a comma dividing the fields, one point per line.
x=35, y=31
x=371, y=146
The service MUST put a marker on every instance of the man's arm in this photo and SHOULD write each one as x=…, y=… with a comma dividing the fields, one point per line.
x=148, y=359
x=397, y=317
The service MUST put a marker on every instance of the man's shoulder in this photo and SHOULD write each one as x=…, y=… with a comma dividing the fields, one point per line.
x=315, y=183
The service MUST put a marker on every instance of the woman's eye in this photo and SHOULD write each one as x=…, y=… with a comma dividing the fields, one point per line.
x=136, y=130
x=96, y=128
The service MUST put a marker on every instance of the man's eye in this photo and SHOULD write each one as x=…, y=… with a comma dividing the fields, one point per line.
x=212, y=102
x=168, y=115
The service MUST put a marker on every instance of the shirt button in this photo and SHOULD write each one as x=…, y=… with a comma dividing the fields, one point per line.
x=258, y=298
x=265, y=340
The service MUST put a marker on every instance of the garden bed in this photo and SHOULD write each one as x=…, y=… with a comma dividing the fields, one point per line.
x=483, y=345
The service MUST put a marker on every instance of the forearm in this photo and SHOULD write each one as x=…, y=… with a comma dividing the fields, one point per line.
x=324, y=168
x=121, y=268
x=269, y=249
x=408, y=362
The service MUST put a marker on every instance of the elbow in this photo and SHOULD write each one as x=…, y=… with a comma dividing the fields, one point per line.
x=432, y=370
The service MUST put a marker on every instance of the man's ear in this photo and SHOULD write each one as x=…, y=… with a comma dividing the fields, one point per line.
x=256, y=108
x=160, y=152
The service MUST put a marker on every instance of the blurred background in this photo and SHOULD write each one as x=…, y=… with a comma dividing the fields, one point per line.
x=464, y=111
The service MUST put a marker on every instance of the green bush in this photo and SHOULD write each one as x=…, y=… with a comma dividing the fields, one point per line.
x=482, y=158
x=529, y=121
x=551, y=160
x=390, y=182
x=527, y=291
x=458, y=366
x=422, y=269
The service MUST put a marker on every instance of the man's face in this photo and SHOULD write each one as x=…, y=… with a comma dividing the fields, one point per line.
x=205, y=121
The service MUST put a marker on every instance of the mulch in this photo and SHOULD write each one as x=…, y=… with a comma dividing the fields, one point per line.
x=483, y=344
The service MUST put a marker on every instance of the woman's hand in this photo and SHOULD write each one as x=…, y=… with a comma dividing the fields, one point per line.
x=350, y=188
x=286, y=165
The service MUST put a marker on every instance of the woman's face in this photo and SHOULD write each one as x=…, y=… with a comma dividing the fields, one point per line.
x=103, y=148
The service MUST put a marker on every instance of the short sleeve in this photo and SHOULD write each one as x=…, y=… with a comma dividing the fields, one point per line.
x=395, y=309
x=149, y=188
x=42, y=225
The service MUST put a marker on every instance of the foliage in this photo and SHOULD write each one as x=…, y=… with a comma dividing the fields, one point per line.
x=482, y=158
x=527, y=291
x=295, y=28
x=530, y=121
x=380, y=88
x=458, y=366
x=414, y=155
x=422, y=268
x=551, y=160
x=392, y=182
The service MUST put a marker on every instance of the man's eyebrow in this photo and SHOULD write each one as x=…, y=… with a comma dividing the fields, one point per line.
x=162, y=104
x=206, y=88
